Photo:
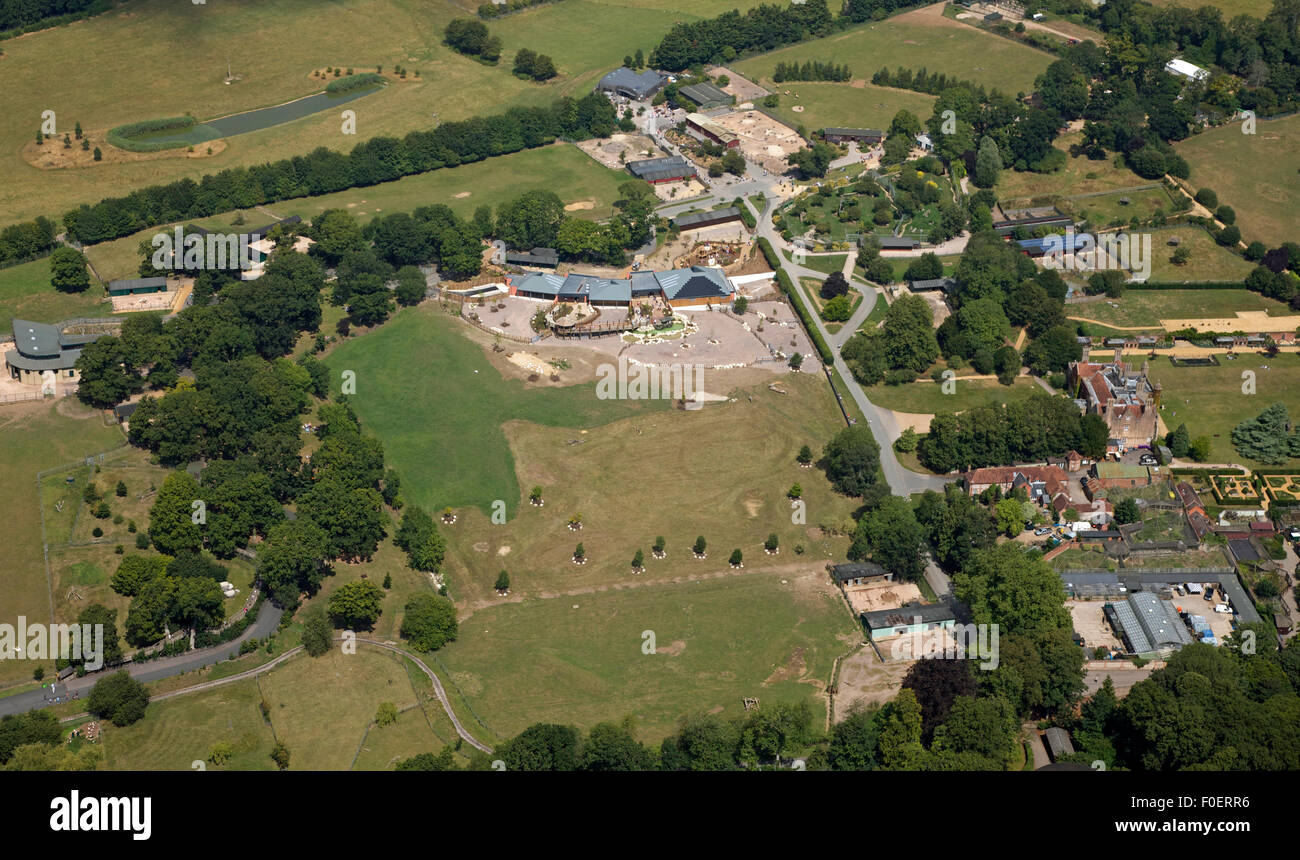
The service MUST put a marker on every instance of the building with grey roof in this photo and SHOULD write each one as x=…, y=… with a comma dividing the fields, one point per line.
x=843, y=135
x=860, y=573
x=706, y=95
x=1148, y=625
x=670, y=169
x=696, y=286
x=947, y=285
x=907, y=619
x=544, y=257
x=40, y=348
x=630, y=84
x=1058, y=743
x=696, y=220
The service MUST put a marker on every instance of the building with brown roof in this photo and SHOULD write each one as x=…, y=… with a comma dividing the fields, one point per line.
x=1124, y=398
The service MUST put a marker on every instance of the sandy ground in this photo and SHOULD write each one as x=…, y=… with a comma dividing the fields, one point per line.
x=580, y=206
x=889, y=595
x=739, y=86
x=762, y=139
x=1090, y=623
x=864, y=680
x=679, y=191
x=51, y=155
x=633, y=147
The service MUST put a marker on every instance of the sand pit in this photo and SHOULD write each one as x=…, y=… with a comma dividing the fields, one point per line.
x=580, y=205
x=531, y=363
x=462, y=194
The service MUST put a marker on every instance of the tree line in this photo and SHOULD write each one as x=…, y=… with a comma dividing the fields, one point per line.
x=30, y=15
x=731, y=34
x=26, y=240
x=811, y=70
x=380, y=159
x=923, y=81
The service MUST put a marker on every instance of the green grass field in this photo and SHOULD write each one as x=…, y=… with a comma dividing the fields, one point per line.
x=850, y=105
x=926, y=397
x=1254, y=174
x=38, y=435
x=1211, y=402
x=25, y=292
x=321, y=708
x=563, y=168
x=579, y=659
x=919, y=38
x=826, y=263
x=1148, y=307
x=1209, y=260
x=439, y=406
x=1080, y=175
x=108, y=71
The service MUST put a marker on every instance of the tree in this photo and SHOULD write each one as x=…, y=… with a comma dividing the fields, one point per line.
x=430, y=621
x=908, y=330
x=292, y=560
x=317, y=634
x=704, y=742
x=418, y=536
x=891, y=536
x=834, y=285
x=804, y=457
x=772, y=542
x=1266, y=437
x=796, y=361
x=1020, y=592
x=385, y=714
x=542, y=747
x=610, y=747
x=119, y=698
x=1010, y=516
x=68, y=272
x=1201, y=449
x=700, y=545
x=410, y=286
x=737, y=557
x=99, y=156
x=937, y=684
x=1149, y=162
x=280, y=755
x=120, y=490
x=1127, y=511
x=638, y=560
x=838, y=309
x=852, y=460
x=171, y=519
x=812, y=162
x=356, y=604
x=1006, y=363
x=503, y=582
x=1179, y=441
x=988, y=163
x=531, y=220
x=1094, y=436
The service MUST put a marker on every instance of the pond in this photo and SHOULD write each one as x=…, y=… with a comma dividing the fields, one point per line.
x=253, y=120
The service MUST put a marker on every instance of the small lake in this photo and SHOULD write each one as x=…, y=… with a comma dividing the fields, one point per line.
x=254, y=120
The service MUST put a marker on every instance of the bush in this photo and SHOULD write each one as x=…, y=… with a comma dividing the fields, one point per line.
x=123, y=135
x=352, y=82
x=118, y=698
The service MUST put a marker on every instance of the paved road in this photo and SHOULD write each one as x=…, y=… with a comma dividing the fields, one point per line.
x=268, y=619
x=904, y=482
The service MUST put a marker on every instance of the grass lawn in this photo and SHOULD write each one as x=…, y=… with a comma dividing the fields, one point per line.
x=177, y=732
x=926, y=397
x=1148, y=307
x=1079, y=176
x=37, y=435
x=826, y=263
x=567, y=170
x=856, y=105
x=1255, y=174
x=578, y=659
x=430, y=394
x=1210, y=399
x=1111, y=210
x=25, y=292
x=1209, y=260
x=922, y=37
x=321, y=708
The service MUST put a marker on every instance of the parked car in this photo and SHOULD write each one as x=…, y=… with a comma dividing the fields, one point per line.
x=1147, y=460
x=1223, y=607
x=1041, y=532
x=1209, y=593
